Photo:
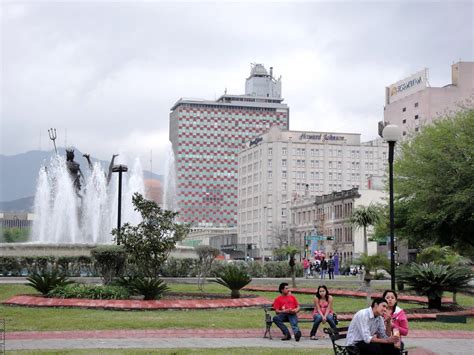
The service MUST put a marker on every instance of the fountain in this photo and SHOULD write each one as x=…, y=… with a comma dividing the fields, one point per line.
x=68, y=212
x=169, y=186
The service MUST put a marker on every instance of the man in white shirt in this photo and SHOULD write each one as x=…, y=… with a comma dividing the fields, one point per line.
x=367, y=331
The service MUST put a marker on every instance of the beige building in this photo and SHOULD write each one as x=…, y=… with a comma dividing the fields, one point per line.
x=329, y=216
x=281, y=166
x=412, y=103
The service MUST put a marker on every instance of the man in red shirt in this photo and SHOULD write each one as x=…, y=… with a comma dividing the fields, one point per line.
x=286, y=308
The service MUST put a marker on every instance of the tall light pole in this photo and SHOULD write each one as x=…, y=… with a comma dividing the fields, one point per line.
x=119, y=169
x=391, y=134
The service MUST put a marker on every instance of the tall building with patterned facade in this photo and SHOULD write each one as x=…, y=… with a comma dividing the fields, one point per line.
x=206, y=137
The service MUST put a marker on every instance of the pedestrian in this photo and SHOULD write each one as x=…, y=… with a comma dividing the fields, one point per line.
x=331, y=266
x=367, y=331
x=324, y=267
x=396, y=321
x=323, y=310
x=306, y=267
x=286, y=307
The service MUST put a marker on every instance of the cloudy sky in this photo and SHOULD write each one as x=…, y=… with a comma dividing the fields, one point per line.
x=106, y=73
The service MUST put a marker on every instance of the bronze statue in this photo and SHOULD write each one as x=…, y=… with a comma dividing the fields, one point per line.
x=74, y=170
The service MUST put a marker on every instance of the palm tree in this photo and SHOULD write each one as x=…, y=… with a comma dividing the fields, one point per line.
x=365, y=217
x=432, y=280
x=289, y=251
x=234, y=278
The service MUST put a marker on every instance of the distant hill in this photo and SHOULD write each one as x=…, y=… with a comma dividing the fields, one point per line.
x=20, y=205
x=18, y=174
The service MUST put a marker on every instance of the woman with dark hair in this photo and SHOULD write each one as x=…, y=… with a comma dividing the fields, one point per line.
x=323, y=311
x=396, y=321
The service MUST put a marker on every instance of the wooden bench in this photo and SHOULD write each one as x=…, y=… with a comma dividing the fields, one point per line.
x=339, y=347
x=305, y=315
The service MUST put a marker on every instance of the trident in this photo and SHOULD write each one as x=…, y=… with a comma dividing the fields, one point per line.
x=52, y=136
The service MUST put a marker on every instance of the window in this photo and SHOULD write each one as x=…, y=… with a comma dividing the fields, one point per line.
x=283, y=151
x=416, y=117
x=404, y=109
x=404, y=121
x=269, y=163
x=283, y=174
x=417, y=129
x=270, y=151
x=404, y=133
x=283, y=163
x=416, y=104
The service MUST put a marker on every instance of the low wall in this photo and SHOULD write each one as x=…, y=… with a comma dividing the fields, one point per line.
x=31, y=249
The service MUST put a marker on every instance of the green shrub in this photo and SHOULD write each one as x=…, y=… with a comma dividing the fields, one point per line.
x=234, y=278
x=46, y=281
x=150, y=288
x=432, y=280
x=96, y=292
x=255, y=269
x=110, y=261
x=10, y=266
x=174, y=267
x=281, y=269
x=379, y=276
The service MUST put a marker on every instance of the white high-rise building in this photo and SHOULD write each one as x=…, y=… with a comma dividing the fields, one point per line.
x=280, y=166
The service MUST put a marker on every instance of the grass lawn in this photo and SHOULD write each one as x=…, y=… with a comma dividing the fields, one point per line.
x=46, y=319
x=229, y=351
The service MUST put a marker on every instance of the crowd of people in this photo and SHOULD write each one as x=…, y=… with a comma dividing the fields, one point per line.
x=319, y=267
x=374, y=330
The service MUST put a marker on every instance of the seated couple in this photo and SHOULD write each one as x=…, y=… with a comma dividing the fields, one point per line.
x=286, y=307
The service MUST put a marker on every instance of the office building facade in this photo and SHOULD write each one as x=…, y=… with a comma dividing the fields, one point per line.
x=280, y=166
x=206, y=137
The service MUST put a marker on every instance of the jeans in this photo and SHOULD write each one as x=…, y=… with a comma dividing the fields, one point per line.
x=317, y=319
x=331, y=274
x=285, y=317
x=323, y=273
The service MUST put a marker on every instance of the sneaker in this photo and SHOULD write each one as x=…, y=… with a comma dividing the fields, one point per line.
x=286, y=337
x=298, y=335
x=313, y=337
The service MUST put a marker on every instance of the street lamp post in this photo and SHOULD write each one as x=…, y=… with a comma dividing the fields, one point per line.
x=119, y=169
x=391, y=133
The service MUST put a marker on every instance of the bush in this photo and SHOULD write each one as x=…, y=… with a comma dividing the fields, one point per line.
x=255, y=269
x=281, y=269
x=109, y=260
x=46, y=281
x=432, y=280
x=177, y=267
x=150, y=288
x=10, y=266
x=234, y=278
x=379, y=276
x=95, y=292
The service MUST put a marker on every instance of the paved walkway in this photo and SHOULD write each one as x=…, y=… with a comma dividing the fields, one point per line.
x=420, y=342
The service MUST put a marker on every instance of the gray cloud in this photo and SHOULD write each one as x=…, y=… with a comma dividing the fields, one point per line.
x=109, y=72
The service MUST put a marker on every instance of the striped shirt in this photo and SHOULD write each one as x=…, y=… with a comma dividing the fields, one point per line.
x=364, y=326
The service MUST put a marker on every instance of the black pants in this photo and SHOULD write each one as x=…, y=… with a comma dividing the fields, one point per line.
x=377, y=349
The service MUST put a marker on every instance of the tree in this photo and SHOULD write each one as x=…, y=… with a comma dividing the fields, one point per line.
x=434, y=184
x=206, y=255
x=364, y=217
x=289, y=251
x=149, y=243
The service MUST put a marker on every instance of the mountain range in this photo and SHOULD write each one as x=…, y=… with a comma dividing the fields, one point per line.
x=18, y=175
